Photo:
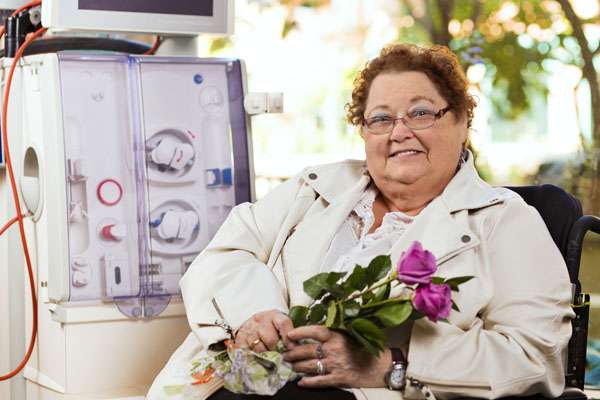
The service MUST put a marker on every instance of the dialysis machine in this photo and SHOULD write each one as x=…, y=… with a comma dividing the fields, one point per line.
x=128, y=165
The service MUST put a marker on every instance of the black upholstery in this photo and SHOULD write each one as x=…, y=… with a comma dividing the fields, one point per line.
x=558, y=209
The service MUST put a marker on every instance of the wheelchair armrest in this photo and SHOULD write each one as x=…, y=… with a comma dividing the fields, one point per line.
x=572, y=393
x=575, y=245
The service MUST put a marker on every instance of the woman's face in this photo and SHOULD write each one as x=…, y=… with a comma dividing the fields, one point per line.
x=426, y=158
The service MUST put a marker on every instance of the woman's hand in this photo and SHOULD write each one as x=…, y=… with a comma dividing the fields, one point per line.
x=343, y=363
x=262, y=331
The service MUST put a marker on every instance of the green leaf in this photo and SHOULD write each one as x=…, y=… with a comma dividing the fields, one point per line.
x=416, y=314
x=298, y=315
x=327, y=298
x=340, y=321
x=455, y=282
x=336, y=290
x=454, y=306
x=381, y=293
x=357, y=280
x=331, y=312
x=325, y=282
x=367, y=328
x=351, y=309
x=366, y=344
x=437, y=280
x=317, y=312
x=378, y=268
x=367, y=331
x=394, y=314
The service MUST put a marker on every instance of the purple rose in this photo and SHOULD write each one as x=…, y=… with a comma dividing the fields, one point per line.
x=435, y=301
x=416, y=265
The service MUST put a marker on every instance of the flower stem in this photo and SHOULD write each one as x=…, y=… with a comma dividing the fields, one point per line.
x=371, y=288
x=387, y=301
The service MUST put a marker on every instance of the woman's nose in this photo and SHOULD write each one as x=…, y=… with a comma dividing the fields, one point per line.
x=400, y=131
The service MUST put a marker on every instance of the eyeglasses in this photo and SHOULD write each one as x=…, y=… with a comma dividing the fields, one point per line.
x=417, y=119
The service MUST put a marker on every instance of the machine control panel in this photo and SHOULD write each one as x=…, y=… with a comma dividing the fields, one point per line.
x=149, y=155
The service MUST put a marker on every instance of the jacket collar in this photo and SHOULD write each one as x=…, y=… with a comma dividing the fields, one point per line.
x=465, y=191
x=334, y=182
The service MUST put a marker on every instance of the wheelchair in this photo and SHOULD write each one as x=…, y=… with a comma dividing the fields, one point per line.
x=564, y=218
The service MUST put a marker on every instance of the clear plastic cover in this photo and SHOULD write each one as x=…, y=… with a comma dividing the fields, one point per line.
x=101, y=184
x=189, y=164
x=150, y=144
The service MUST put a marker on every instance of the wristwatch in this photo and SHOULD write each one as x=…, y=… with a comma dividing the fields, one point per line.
x=396, y=376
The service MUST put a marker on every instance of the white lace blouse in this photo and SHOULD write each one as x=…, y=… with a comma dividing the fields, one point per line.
x=352, y=244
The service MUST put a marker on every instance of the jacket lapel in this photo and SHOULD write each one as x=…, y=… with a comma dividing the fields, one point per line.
x=439, y=232
x=306, y=248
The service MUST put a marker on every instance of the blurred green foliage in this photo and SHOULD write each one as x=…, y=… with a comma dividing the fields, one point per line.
x=509, y=37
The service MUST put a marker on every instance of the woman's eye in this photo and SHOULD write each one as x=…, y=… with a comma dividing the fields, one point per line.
x=418, y=114
x=380, y=120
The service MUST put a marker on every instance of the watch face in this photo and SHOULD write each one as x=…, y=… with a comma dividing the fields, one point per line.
x=397, y=378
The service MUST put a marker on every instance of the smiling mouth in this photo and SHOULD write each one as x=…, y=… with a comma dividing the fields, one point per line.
x=404, y=153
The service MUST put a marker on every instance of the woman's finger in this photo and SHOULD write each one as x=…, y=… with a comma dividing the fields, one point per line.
x=258, y=347
x=269, y=337
x=284, y=324
x=311, y=366
x=320, y=381
x=302, y=352
x=316, y=332
x=268, y=326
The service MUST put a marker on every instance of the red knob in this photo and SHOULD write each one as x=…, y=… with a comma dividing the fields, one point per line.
x=114, y=232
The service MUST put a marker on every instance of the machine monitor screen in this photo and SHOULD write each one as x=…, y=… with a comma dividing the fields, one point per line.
x=181, y=7
x=176, y=17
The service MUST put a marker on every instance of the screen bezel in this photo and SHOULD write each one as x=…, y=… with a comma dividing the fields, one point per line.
x=66, y=15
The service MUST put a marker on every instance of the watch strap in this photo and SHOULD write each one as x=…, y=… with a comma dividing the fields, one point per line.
x=397, y=356
x=396, y=376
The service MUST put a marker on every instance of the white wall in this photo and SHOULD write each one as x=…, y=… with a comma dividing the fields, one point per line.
x=4, y=323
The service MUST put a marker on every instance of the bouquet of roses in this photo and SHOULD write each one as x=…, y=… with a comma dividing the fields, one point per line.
x=360, y=304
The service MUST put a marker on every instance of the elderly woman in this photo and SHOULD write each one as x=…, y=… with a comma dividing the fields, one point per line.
x=418, y=183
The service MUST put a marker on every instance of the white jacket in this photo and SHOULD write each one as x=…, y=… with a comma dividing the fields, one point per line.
x=513, y=327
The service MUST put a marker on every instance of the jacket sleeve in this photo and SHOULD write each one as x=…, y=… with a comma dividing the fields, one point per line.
x=230, y=281
x=517, y=345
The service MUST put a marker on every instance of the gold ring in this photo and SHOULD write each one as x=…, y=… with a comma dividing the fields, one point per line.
x=254, y=342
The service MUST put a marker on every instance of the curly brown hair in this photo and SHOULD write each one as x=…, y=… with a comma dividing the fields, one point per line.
x=439, y=64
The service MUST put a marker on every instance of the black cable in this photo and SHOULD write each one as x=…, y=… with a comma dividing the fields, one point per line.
x=58, y=43
x=15, y=30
